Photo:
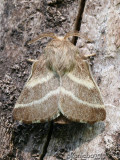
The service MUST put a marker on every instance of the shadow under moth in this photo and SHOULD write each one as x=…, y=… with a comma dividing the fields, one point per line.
x=60, y=87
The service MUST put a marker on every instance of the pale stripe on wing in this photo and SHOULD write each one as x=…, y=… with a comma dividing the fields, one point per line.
x=56, y=92
x=70, y=94
x=51, y=93
x=34, y=82
x=87, y=83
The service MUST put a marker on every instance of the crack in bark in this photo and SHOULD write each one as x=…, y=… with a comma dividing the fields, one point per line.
x=47, y=141
x=79, y=19
x=74, y=41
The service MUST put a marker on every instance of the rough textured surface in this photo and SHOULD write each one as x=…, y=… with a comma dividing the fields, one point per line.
x=21, y=21
x=96, y=25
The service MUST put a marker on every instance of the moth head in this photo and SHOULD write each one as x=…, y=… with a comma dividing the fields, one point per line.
x=60, y=53
x=59, y=42
x=54, y=37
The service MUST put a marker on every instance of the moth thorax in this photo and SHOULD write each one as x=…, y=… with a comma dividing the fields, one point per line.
x=60, y=56
x=60, y=67
x=60, y=63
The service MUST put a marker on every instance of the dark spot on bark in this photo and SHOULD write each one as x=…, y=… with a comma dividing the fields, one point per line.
x=9, y=6
x=2, y=48
x=98, y=80
x=21, y=27
x=16, y=35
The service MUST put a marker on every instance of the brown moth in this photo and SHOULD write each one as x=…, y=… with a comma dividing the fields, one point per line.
x=60, y=87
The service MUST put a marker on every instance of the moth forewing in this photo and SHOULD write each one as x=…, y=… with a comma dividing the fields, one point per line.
x=39, y=99
x=80, y=98
x=60, y=87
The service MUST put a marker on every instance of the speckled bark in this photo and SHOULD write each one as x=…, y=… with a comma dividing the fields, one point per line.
x=21, y=21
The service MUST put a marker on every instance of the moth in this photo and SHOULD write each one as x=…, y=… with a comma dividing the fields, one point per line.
x=60, y=87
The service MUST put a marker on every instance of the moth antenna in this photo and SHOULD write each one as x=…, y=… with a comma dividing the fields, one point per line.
x=69, y=34
x=77, y=34
x=51, y=35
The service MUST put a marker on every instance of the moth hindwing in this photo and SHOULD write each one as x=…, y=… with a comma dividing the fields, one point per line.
x=60, y=85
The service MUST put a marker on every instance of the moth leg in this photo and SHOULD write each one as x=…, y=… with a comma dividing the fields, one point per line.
x=90, y=55
x=32, y=60
x=80, y=66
